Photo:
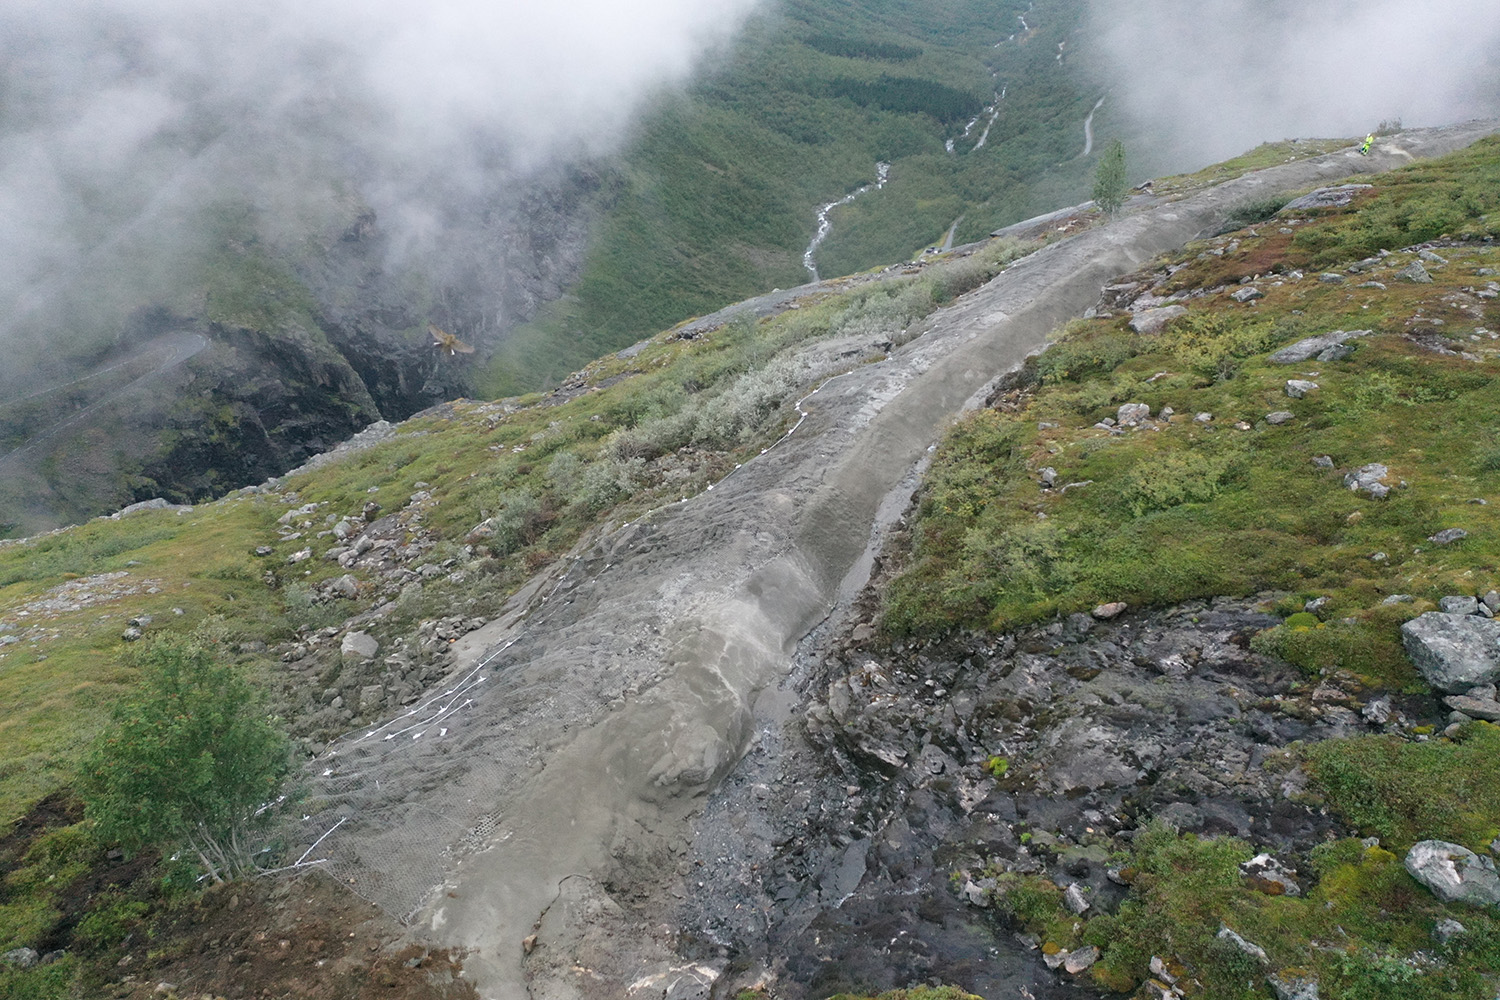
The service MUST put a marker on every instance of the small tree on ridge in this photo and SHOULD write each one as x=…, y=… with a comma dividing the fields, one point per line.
x=1109, y=180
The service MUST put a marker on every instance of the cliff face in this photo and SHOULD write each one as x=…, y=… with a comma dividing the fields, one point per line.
x=270, y=355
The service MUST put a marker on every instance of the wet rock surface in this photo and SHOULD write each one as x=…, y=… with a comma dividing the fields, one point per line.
x=858, y=847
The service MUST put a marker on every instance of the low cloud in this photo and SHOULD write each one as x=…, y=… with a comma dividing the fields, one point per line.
x=1212, y=79
x=121, y=119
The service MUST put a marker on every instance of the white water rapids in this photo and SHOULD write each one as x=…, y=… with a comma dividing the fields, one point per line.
x=825, y=222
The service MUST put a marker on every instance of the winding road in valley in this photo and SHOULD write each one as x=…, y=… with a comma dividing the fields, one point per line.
x=555, y=798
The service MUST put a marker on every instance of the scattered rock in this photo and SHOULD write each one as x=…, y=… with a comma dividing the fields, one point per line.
x=358, y=647
x=1074, y=899
x=131, y=634
x=155, y=504
x=1298, y=387
x=1266, y=874
x=1331, y=278
x=1280, y=417
x=345, y=586
x=1447, y=929
x=1153, y=320
x=23, y=958
x=1048, y=476
x=1255, y=951
x=1459, y=605
x=1289, y=985
x=1323, y=461
x=1315, y=605
x=1369, y=478
x=1431, y=257
x=1448, y=536
x=1487, y=709
x=1377, y=712
x=1453, y=652
x=1317, y=347
x=299, y=556
x=1203, y=418
x=1394, y=598
x=1131, y=414
x=1247, y=294
x=1079, y=960
x=1415, y=272
x=1104, y=612
x=1454, y=873
x=371, y=698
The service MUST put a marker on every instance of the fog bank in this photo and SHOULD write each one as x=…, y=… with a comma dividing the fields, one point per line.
x=1213, y=78
x=121, y=120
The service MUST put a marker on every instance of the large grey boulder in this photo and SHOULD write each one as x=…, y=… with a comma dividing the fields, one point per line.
x=1415, y=272
x=1152, y=320
x=1454, y=873
x=1316, y=347
x=1454, y=652
x=358, y=647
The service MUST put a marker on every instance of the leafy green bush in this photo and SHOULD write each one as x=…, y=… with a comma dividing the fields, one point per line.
x=517, y=515
x=1178, y=477
x=188, y=761
x=1075, y=358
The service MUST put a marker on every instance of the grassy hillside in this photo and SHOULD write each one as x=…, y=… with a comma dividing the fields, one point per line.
x=486, y=494
x=1233, y=486
x=719, y=190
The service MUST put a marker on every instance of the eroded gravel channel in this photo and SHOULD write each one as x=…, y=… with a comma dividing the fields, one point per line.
x=566, y=824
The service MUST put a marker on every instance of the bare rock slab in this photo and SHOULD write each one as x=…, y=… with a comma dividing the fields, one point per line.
x=1454, y=652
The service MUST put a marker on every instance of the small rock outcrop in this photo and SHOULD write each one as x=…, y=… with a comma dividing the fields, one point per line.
x=1454, y=652
x=358, y=647
x=1326, y=197
x=1153, y=320
x=1325, y=347
x=1369, y=479
x=1454, y=873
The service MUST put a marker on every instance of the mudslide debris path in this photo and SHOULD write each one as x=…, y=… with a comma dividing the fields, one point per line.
x=606, y=709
